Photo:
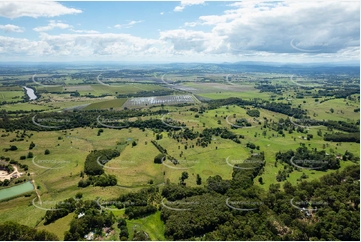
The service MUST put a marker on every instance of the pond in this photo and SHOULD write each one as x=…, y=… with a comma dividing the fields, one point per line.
x=30, y=93
x=16, y=190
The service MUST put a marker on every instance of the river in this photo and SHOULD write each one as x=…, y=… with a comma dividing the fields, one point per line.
x=16, y=190
x=30, y=93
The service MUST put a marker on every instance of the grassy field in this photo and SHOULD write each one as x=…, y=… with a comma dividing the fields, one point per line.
x=343, y=110
x=152, y=225
x=11, y=96
x=24, y=107
x=59, y=226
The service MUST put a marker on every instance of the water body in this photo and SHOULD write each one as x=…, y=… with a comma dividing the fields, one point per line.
x=16, y=190
x=30, y=93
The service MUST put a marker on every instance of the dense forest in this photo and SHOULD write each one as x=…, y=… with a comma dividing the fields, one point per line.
x=236, y=209
x=12, y=231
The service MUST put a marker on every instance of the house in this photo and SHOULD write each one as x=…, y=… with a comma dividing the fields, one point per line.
x=89, y=236
x=81, y=215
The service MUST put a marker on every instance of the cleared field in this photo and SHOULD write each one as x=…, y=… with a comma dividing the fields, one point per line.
x=152, y=225
x=216, y=87
x=24, y=106
x=243, y=95
x=11, y=96
x=8, y=89
x=78, y=88
x=99, y=89
x=59, y=226
x=49, y=89
x=158, y=100
x=115, y=104
x=343, y=109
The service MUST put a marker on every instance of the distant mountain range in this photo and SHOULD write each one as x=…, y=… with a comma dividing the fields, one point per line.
x=347, y=67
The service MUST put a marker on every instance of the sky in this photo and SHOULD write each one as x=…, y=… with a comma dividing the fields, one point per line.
x=180, y=31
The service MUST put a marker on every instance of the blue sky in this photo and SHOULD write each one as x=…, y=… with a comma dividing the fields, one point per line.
x=180, y=31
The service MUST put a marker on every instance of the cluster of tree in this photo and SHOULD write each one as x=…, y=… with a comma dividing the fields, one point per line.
x=122, y=225
x=184, y=134
x=135, y=212
x=60, y=210
x=205, y=137
x=93, y=167
x=284, y=108
x=253, y=113
x=342, y=125
x=206, y=207
x=221, y=212
x=159, y=147
x=266, y=87
x=97, y=158
x=175, y=192
x=252, y=146
x=243, y=122
x=282, y=175
x=158, y=159
x=103, y=180
x=12, y=231
x=22, y=166
x=273, y=106
x=6, y=167
x=339, y=92
x=342, y=137
x=11, y=148
x=77, y=119
x=183, y=177
x=140, y=235
x=32, y=145
x=141, y=203
x=297, y=125
x=312, y=159
x=93, y=220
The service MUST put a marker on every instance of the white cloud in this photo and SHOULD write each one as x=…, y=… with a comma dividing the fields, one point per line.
x=33, y=9
x=11, y=28
x=128, y=25
x=52, y=25
x=161, y=13
x=282, y=31
x=185, y=3
x=84, y=31
x=254, y=28
x=190, y=24
x=81, y=45
x=10, y=47
x=184, y=41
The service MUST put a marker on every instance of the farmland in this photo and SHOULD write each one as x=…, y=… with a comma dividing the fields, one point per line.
x=200, y=125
